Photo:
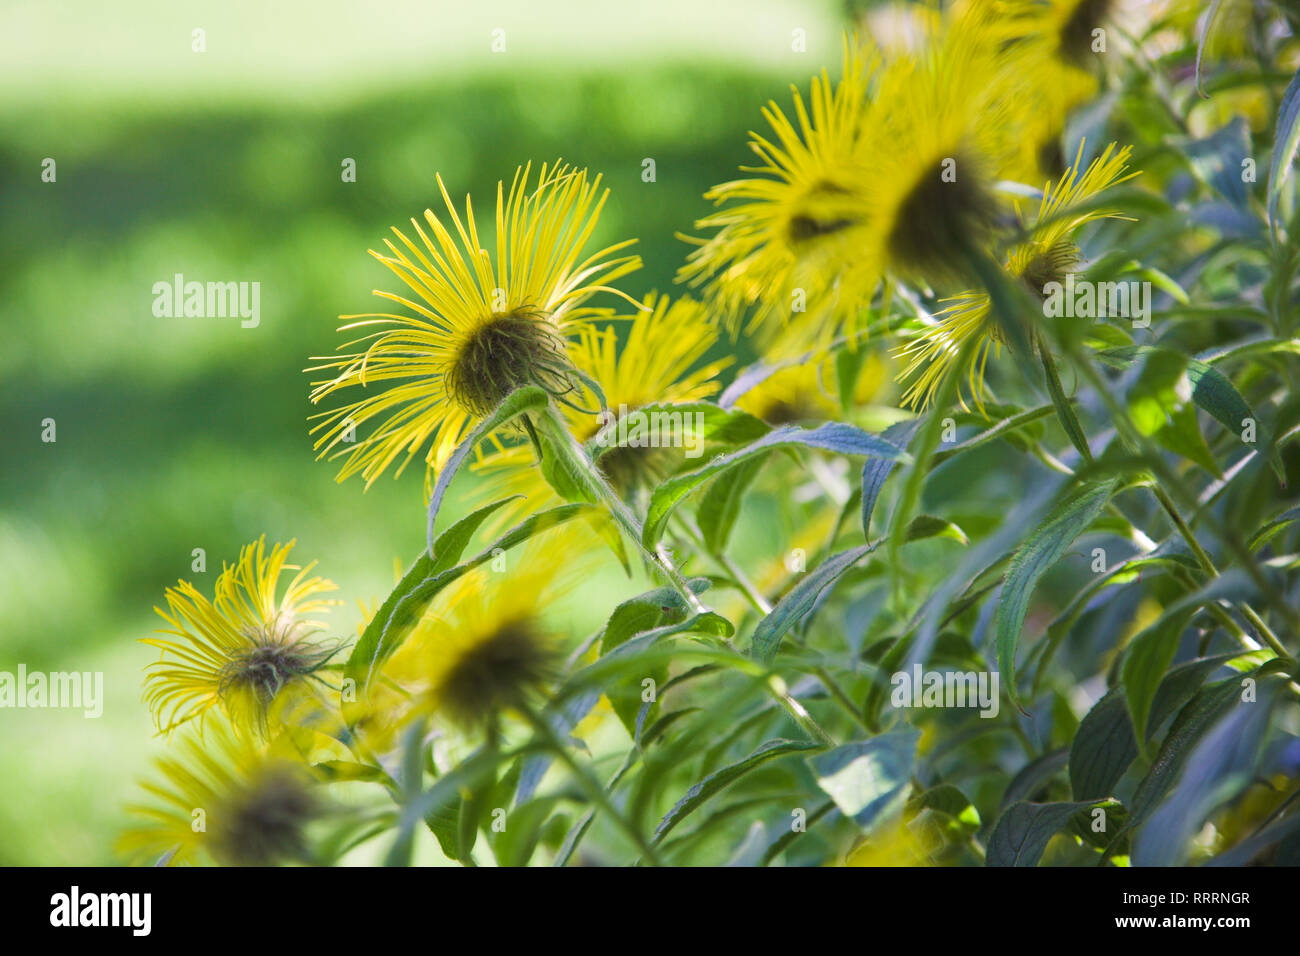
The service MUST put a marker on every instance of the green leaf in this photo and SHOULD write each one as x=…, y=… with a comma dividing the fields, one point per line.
x=451, y=544
x=949, y=801
x=639, y=615
x=796, y=604
x=1103, y=748
x=1212, y=391
x=1210, y=704
x=869, y=779
x=1223, y=763
x=1042, y=550
x=418, y=587
x=1274, y=527
x=1182, y=435
x=1034, y=775
x=1064, y=409
x=1005, y=428
x=1145, y=662
x=876, y=470
x=715, y=782
x=720, y=506
x=717, y=425
x=526, y=399
x=928, y=526
x=832, y=436
x=1286, y=139
x=1207, y=22
x=1024, y=829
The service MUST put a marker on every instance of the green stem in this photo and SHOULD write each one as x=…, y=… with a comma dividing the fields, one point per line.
x=599, y=490
x=1064, y=410
x=1134, y=439
x=595, y=790
x=841, y=697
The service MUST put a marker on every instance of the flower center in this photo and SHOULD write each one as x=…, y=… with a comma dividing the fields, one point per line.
x=1076, y=33
x=509, y=351
x=497, y=672
x=1049, y=264
x=942, y=219
x=820, y=218
x=266, y=668
x=264, y=824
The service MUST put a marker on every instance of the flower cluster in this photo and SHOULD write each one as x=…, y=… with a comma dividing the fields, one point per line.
x=903, y=227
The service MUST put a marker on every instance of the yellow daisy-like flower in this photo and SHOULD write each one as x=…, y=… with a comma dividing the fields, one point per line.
x=247, y=650
x=223, y=798
x=658, y=361
x=943, y=130
x=484, y=647
x=1046, y=256
x=787, y=239
x=1055, y=47
x=483, y=325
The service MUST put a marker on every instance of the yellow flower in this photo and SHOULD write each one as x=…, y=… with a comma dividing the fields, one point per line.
x=659, y=361
x=1046, y=256
x=787, y=240
x=943, y=129
x=484, y=647
x=483, y=325
x=223, y=798
x=1054, y=47
x=247, y=650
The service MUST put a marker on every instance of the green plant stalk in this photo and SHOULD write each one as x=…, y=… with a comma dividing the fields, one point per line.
x=797, y=711
x=1135, y=440
x=1064, y=410
x=599, y=795
x=726, y=564
x=594, y=483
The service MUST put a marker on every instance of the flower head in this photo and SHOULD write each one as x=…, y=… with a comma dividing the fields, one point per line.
x=943, y=128
x=484, y=647
x=791, y=231
x=660, y=360
x=247, y=650
x=482, y=325
x=224, y=798
x=1045, y=256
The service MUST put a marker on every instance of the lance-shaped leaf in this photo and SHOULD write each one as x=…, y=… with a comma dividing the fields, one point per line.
x=1043, y=549
x=869, y=779
x=403, y=607
x=719, y=780
x=801, y=599
x=1285, y=141
x=832, y=436
x=876, y=470
x=1024, y=829
x=526, y=399
x=661, y=423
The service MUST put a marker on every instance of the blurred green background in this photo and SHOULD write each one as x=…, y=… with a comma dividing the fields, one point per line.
x=183, y=433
